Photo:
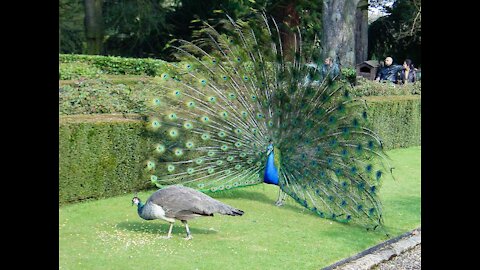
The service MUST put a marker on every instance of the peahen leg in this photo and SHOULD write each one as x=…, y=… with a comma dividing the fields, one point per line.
x=281, y=197
x=189, y=236
x=169, y=235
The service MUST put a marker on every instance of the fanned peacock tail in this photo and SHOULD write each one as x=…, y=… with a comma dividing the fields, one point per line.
x=232, y=95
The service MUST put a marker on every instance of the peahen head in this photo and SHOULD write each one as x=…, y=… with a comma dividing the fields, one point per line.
x=136, y=200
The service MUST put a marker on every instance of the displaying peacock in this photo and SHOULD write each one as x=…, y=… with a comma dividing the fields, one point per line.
x=239, y=109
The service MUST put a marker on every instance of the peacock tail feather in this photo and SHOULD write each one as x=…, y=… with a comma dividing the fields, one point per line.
x=232, y=94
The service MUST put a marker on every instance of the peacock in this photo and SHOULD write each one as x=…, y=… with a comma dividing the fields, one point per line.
x=240, y=109
x=181, y=203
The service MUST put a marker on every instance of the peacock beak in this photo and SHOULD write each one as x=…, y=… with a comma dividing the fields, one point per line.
x=270, y=150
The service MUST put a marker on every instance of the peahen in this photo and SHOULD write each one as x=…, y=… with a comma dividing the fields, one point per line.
x=239, y=109
x=181, y=203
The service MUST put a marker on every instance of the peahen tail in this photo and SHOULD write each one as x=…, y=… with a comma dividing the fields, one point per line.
x=234, y=94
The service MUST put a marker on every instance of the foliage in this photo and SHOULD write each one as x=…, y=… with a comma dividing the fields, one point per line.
x=71, y=27
x=119, y=65
x=103, y=96
x=100, y=156
x=398, y=34
x=77, y=70
x=110, y=233
x=396, y=119
x=365, y=87
x=310, y=13
x=349, y=74
x=145, y=28
x=137, y=28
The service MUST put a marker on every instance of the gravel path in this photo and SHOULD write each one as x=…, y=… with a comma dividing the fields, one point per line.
x=400, y=253
x=408, y=260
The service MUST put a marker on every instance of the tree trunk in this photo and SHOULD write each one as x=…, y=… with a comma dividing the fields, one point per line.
x=339, y=30
x=94, y=26
x=287, y=17
x=361, y=32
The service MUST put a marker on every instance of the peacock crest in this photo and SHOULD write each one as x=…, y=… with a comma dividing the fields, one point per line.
x=234, y=99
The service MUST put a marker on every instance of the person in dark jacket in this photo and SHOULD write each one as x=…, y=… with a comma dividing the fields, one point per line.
x=408, y=73
x=389, y=72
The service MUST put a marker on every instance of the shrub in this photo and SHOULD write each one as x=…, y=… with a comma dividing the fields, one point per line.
x=100, y=156
x=396, y=119
x=70, y=71
x=349, y=74
x=98, y=96
x=118, y=65
x=366, y=87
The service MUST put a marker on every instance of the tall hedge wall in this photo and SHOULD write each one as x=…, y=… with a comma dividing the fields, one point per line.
x=102, y=155
x=396, y=119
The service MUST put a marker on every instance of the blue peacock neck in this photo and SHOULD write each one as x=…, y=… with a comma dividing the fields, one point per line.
x=271, y=171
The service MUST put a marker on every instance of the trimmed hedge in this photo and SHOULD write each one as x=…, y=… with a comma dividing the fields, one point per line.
x=102, y=155
x=397, y=119
x=115, y=65
x=104, y=95
x=77, y=70
x=366, y=87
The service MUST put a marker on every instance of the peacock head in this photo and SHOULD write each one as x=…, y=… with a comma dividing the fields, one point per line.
x=270, y=147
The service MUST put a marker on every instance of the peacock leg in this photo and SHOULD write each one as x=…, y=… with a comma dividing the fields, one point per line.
x=189, y=236
x=169, y=235
x=281, y=198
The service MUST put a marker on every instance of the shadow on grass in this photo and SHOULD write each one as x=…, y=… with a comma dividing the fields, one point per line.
x=241, y=193
x=154, y=227
x=258, y=196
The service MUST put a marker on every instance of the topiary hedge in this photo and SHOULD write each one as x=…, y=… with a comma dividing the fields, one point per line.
x=102, y=155
x=366, y=87
x=115, y=65
x=397, y=119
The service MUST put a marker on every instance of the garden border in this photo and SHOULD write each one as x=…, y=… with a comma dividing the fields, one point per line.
x=379, y=253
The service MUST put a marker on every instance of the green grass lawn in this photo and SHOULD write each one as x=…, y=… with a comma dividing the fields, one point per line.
x=108, y=234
